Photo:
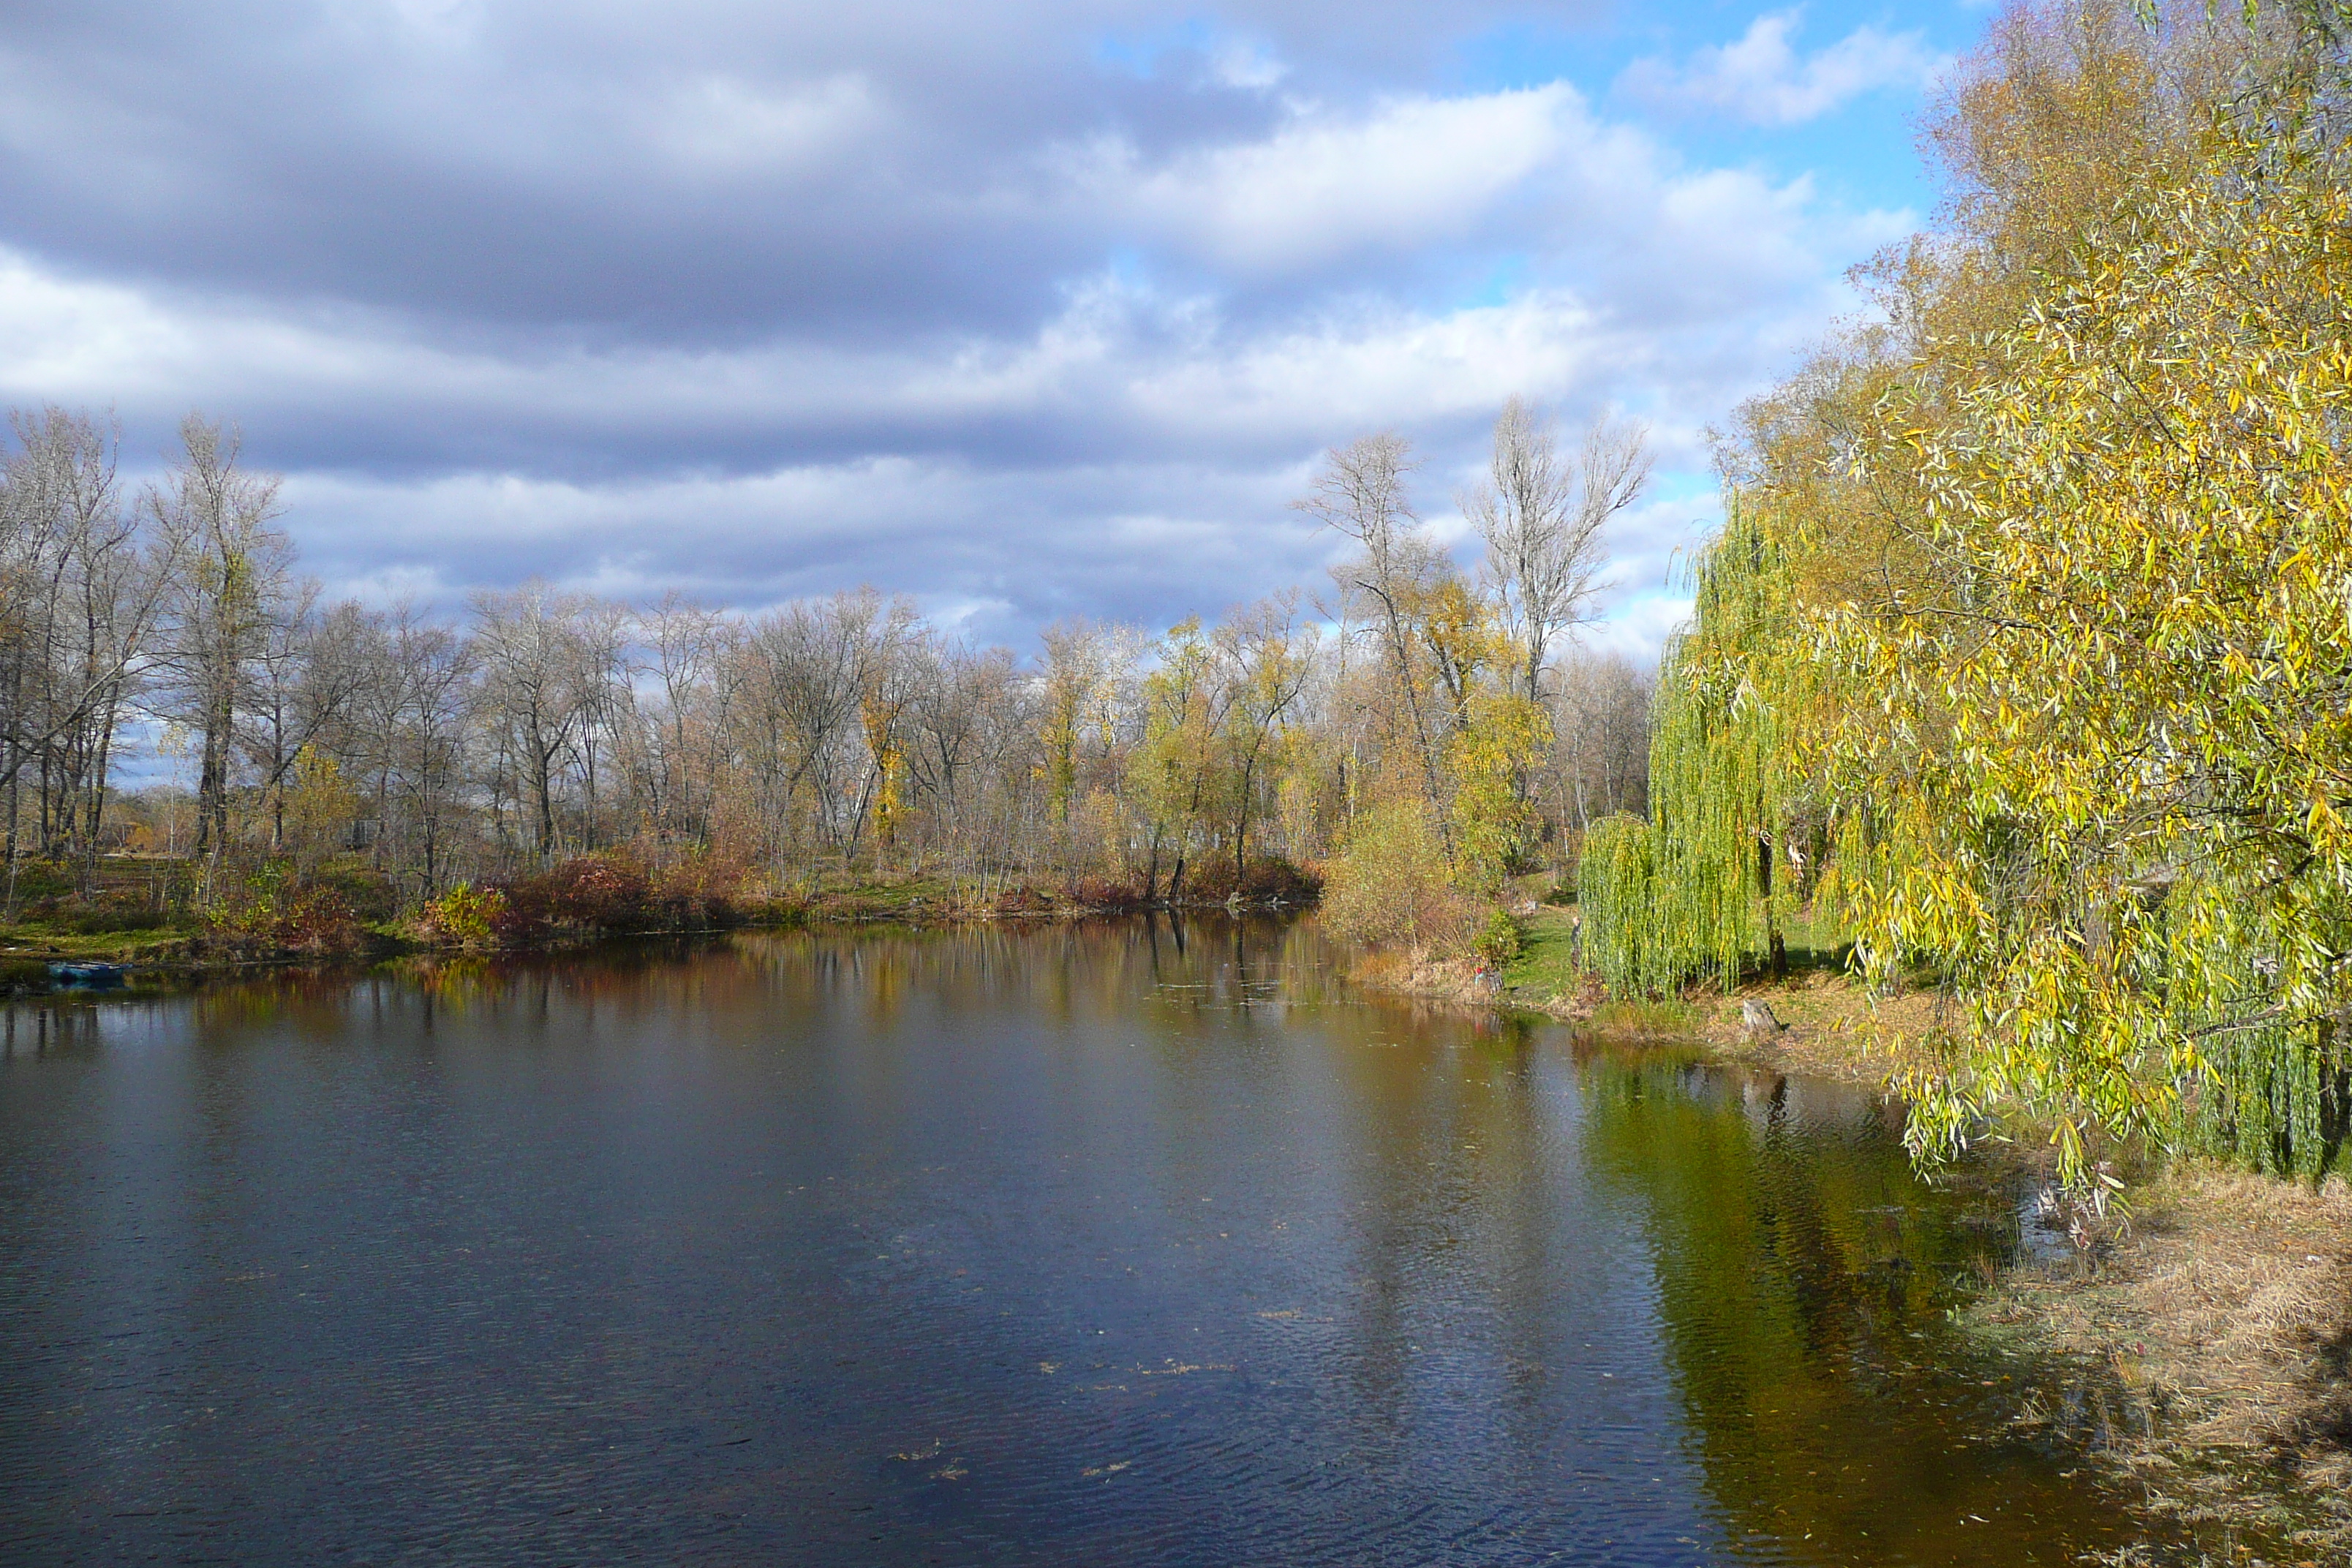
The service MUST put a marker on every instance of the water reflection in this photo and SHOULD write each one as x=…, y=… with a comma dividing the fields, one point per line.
x=1136, y=1241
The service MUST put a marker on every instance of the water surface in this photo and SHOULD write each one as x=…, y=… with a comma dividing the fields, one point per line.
x=1116, y=1244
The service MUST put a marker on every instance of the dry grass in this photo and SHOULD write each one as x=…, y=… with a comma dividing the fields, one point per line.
x=2224, y=1307
x=1833, y=1028
x=1419, y=972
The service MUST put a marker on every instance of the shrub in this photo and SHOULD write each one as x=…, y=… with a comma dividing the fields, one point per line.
x=521, y=916
x=466, y=916
x=1501, y=942
x=697, y=890
x=1101, y=893
x=1390, y=882
x=1023, y=902
x=595, y=891
x=371, y=895
x=280, y=911
x=318, y=919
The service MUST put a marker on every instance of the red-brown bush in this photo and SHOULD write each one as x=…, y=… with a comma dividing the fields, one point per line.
x=1268, y=878
x=275, y=911
x=598, y=892
x=588, y=892
x=1102, y=893
x=1023, y=902
x=697, y=890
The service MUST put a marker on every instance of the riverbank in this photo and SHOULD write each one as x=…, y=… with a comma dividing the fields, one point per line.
x=1829, y=1027
x=2219, y=1302
x=184, y=949
x=2224, y=1309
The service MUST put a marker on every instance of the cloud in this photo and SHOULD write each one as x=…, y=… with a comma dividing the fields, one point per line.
x=1146, y=543
x=762, y=299
x=1409, y=172
x=722, y=124
x=1761, y=79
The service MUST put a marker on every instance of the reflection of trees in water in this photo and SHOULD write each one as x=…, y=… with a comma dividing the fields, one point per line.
x=43, y=1029
x=1448, y=1175
x=1064, y=971
x=1802, y=1272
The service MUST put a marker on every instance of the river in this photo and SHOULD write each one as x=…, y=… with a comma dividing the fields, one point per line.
x=1134, y=1242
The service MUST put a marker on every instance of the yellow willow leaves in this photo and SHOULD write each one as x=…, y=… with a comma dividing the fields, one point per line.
x=2037, y=644
x=2114, y=718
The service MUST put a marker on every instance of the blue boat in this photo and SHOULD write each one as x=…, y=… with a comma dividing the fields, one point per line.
x=92, y=974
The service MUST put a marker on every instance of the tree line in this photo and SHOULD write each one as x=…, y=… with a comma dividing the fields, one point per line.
x=2023, y=663
x=1451, y=710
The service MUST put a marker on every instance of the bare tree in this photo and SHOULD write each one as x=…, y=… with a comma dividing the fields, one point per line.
x=1599, y=710
x=1361, y=492
x=432, y=698
x=1267, y=666
x=607, y=703
x=80, y=591
x=689, y=643
x=307, y=674
x=229, y=592
x=530, y=647
x=1541, y=516
x=808, y=669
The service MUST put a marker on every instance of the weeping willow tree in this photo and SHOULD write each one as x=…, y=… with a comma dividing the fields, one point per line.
x=2032, y=625
x=1616, y=890
x=2121, y=708
x=1703, y=889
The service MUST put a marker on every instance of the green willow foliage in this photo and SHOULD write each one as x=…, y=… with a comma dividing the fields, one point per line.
x=1616, y=889
x=1709, y=889
x=1719, y=761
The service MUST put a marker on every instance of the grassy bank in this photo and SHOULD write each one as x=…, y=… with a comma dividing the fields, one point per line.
x=1833, y=1029
x=2223, y=1307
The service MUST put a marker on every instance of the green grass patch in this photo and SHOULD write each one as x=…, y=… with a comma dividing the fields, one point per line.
x=843, y=898
x=41, y=939
x=1546, y=965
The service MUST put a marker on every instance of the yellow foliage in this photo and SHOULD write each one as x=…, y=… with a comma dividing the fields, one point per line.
x=2036, y=616
x=1391, y=881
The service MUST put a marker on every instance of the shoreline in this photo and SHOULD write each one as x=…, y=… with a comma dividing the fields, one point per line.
x=2218, y=1303
x=181, y=956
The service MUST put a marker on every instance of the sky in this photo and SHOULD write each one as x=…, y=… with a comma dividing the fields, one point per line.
x=1029, y=310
